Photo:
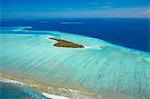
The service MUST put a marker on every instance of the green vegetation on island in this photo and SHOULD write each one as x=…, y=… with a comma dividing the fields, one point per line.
x=64, y=43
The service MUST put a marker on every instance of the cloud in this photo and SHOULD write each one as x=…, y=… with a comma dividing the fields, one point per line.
x=108, y=6
x=139, y=12
x=56, y=9
x=147, y=11
x=109, y=2
x=114, y=12
x=102, y=4
x=94, y=3
x=68, y=8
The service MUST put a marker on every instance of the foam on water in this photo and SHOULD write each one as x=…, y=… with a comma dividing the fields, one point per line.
x=25, y=87
x=103, y=68
x=71, y=22
x=12, y=89
x=54, y=96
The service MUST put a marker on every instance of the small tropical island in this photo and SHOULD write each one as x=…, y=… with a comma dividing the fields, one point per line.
x=66, y=44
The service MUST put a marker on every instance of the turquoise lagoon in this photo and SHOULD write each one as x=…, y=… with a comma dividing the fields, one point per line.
x=107, y=70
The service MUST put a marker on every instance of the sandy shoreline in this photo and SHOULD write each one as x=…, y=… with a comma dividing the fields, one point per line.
x=21, y=84
x=49, y=91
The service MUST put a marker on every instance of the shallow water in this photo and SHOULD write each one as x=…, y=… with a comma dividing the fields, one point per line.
x=103, y=68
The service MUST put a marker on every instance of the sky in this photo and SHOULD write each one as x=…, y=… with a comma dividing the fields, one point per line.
x=74, y=8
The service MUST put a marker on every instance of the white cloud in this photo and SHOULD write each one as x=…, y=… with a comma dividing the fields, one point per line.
x=94, y=3
x=106, y=6
x=92, y=13
x=56, y=9
x=147, y=11
x=109, y=2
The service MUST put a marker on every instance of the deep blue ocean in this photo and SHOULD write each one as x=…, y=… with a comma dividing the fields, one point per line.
x=129, y=32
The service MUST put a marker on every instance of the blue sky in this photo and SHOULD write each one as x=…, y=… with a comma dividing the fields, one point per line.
x=74, y=8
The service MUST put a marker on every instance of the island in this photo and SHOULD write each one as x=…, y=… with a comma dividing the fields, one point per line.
x=66, y=44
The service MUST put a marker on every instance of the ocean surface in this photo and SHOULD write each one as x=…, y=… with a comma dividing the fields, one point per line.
x=103, y=67
x=14, y=91
x=129, y=32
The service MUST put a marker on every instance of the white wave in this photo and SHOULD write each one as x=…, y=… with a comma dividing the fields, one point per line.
x=54, y=96
x=71, y=22
x=5, y=80
x=75, y=93
x=20, y=28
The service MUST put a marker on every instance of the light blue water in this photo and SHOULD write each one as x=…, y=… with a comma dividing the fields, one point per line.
x=104, y=68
